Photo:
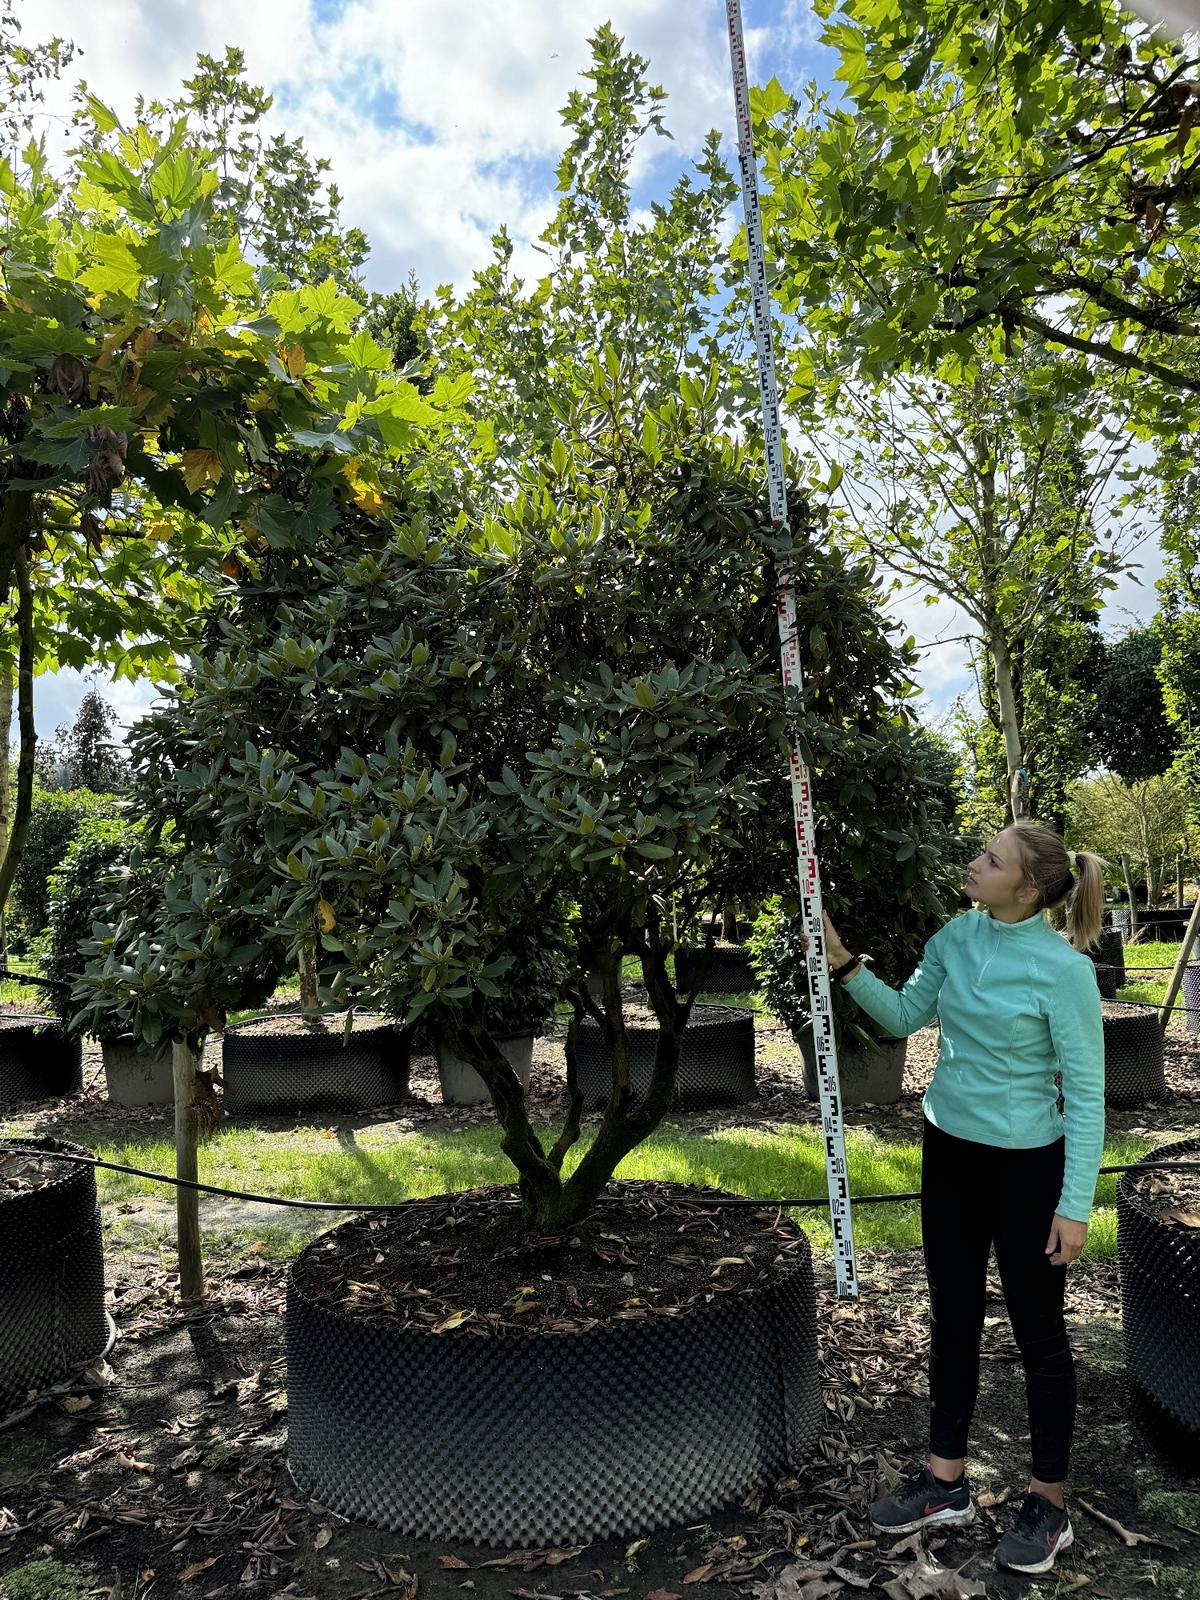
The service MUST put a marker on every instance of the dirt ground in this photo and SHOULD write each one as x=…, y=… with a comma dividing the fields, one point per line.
x=166, y=1474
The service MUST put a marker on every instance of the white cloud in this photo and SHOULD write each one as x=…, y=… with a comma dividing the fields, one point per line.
x=441, y=123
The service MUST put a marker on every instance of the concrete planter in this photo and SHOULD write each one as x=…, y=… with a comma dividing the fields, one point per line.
x=136, y=1075
x=462, y=1085
x=867, y=1077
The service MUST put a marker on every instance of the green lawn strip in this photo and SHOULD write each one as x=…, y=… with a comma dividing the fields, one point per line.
x=1152, y=954
x=365, y=1168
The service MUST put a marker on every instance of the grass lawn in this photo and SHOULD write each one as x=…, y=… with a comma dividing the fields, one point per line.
x=372, y=1167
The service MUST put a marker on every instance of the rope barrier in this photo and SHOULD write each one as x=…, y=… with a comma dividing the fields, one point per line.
x=717, y=1201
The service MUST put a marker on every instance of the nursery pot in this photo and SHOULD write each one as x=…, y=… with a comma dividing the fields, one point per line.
x=135, y=1074
x=38, y=1061
x=1160, y=1306
x=462, y=1085
x=717, y=969
x=716, y=1060
x=52, y=1319
x=551, y=1437
x=317, y=1071
x=867, y=1077
x=1109, y=951
x=1133, y=1056
x=1106, y=981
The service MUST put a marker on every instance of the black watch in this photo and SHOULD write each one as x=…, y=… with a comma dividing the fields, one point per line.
x=846, y=968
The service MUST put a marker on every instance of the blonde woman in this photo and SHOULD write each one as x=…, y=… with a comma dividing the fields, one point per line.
x=1002, y=1167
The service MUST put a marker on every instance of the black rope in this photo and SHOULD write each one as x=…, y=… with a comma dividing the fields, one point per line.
x=792, y=1203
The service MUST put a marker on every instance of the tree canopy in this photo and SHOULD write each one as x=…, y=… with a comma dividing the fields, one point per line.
x=1002, y=176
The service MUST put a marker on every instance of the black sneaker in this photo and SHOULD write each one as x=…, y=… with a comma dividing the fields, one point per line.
x=924, y=1502
x=1041, y=1530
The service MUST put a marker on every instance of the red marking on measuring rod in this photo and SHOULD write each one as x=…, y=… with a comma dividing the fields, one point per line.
x=820, y=999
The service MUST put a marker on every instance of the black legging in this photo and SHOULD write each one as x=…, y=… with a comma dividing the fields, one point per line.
x=974, y=1196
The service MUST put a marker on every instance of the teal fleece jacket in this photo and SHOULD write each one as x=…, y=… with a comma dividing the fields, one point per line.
x=1016, y=1004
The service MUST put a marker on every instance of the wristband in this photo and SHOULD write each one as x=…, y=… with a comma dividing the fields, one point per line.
x=846, y=968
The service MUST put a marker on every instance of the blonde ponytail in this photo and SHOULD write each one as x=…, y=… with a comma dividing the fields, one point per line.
x=1062, y=877
x=1085, y=903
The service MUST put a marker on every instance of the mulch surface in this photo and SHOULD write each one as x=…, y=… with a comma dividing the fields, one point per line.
x=645, y=1252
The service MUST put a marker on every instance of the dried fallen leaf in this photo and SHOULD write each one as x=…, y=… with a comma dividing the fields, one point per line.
x=323, y=1536
x=663, y=1594
x=196, y=1568
x=928, y=1580
x=854, y=1579
x=631, y=1550
x=698, y=1574
x=126, y=1458
x=453, y=1564
x=555, y=1558
x=1186, y=1219
x=76, y=1402
x=454, y=1320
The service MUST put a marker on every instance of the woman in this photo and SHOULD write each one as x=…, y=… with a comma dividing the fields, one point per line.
x=1002, y=1166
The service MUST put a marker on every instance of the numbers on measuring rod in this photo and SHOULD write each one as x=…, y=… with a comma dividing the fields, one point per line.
x=791, y=667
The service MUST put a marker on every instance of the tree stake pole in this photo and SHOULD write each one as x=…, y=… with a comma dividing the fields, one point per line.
x=820, y=999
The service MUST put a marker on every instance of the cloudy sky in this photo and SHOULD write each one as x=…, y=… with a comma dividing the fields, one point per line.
x=441, y=123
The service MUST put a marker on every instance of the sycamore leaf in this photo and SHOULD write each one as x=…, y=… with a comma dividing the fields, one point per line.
x=200, y=467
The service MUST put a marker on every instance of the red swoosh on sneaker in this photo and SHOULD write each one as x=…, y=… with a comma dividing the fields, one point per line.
x=929, y=1510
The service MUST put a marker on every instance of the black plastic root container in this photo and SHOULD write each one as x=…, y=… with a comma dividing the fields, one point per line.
x=714, y=969
x=38, y=1061
x=1134, y=1070
x=1160, y=1311
x=552, y=1438
x=716, y=1060
x=315, y=1072
x=52, y=1317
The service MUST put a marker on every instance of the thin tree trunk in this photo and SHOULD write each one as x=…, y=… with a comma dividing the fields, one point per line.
x=184, y=1061
x=309, y=1005
x=1179, y=883
x=1133, y=920
x=1018, y=808
x=24, y=804
x=6, y=708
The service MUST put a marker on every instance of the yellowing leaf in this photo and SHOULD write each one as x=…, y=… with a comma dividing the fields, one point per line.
x=292, y=357
x=454, y=1320
x=144, y=343
x=200, y=467
x=160, y=528
x=325, y=913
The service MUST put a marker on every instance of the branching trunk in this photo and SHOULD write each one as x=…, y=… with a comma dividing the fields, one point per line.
x=550, y=1203
x=28, y=732
x=184, y=1061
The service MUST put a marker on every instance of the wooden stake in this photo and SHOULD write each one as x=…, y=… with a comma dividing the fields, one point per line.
x=1189, y=937
x=187, y=1201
